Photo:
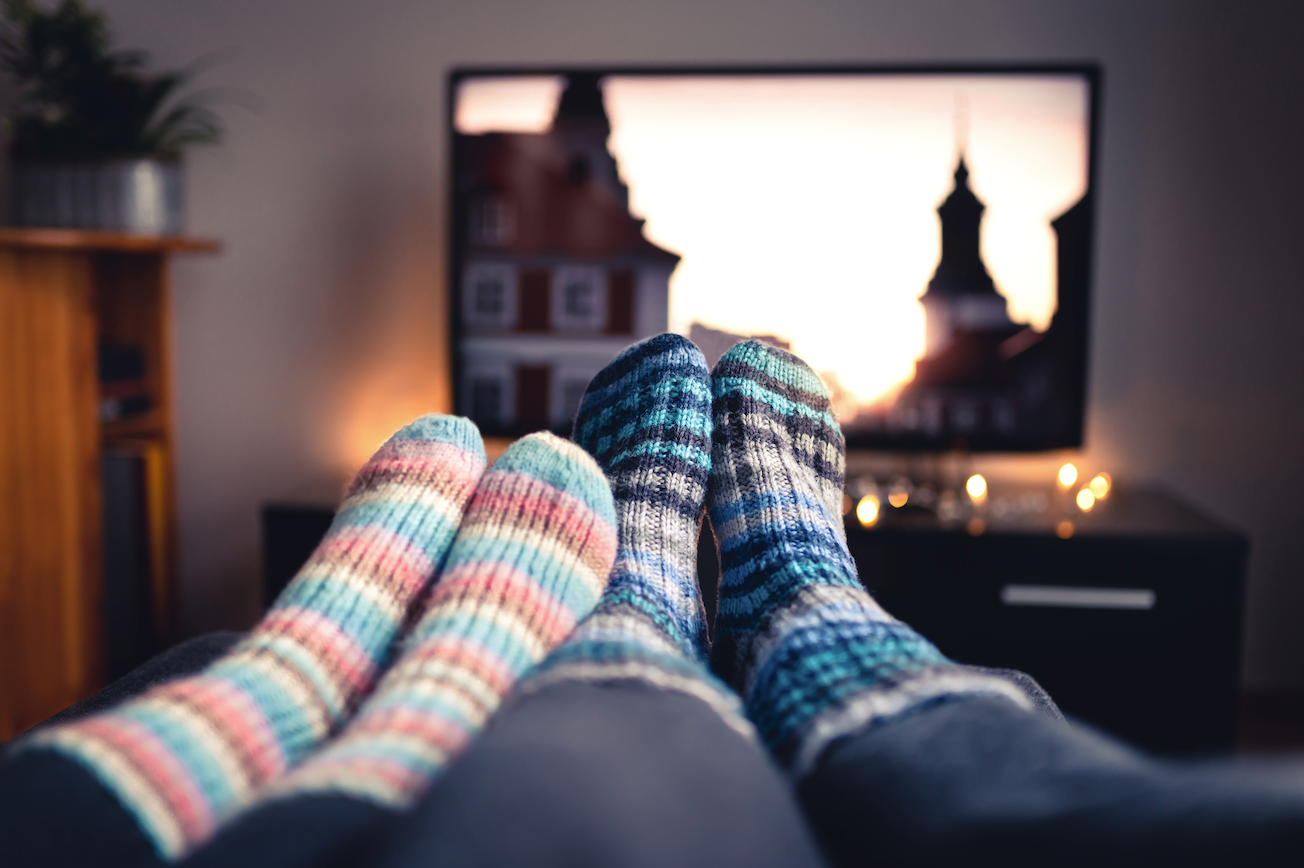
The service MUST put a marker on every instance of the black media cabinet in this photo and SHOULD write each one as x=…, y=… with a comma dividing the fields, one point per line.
x=1132, y=624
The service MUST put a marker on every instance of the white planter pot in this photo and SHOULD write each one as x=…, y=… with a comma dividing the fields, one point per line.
x=120, y=195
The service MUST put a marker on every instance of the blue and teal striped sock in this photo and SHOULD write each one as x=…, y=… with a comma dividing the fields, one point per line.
x=646, y=418
x=814, y=657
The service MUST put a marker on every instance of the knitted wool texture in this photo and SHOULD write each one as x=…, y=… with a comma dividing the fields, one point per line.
x=813, y=655
x=189, y=753
x=646, y=418
x=531, y=559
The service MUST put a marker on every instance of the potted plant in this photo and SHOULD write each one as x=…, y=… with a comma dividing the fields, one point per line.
x=95, y=140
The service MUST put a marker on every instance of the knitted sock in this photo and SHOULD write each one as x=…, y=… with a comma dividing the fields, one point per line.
x=646, y=418
x=530, y=560
x=189, y=753
x=813, y=655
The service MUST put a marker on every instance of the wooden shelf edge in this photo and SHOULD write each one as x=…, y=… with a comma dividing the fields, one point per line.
x=86, y=239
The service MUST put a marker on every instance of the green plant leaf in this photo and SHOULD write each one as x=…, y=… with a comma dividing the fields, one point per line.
x=80, y=99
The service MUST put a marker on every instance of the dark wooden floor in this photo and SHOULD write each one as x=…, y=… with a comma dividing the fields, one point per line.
x=1271, y=723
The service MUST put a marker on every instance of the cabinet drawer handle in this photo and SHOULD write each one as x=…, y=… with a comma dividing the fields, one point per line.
x=1078, y=598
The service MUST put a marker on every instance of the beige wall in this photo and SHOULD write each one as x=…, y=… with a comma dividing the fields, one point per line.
x=318, y=331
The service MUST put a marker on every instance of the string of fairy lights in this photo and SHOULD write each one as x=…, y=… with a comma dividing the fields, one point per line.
x=972, y=509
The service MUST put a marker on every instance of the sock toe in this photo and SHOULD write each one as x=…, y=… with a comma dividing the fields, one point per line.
x=779, y=366
x=454, y=430
x=765, y=398
x=562, y=465
x=660, y=380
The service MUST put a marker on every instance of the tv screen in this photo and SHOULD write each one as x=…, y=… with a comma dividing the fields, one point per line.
x=920, y=236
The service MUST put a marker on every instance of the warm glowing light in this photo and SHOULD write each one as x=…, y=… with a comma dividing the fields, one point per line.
x=867, y=510
x=898, y=497
x=976, y=526
x=518, y=104
x=1100, y=485
x=688, y=148
x=378, y=407
x=847, y=503
x=1064, y=529
x=1068, y=475
x=976, y=486
x=1086, y=500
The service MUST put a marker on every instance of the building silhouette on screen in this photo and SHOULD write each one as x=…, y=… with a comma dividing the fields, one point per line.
x=984, y=380
x=556, y=276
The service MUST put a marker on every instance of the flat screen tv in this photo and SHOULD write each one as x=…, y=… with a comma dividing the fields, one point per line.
x=922, y=236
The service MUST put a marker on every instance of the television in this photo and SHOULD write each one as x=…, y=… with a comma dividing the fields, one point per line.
x=921, y=235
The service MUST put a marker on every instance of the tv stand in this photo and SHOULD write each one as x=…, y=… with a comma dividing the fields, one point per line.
x=1132, y=623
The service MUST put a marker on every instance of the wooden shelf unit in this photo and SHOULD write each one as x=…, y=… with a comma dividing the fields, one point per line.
x=62, y=293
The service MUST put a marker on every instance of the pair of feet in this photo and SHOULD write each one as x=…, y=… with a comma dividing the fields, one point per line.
x=797, y=637
x=485, y=572
x=450, y=579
